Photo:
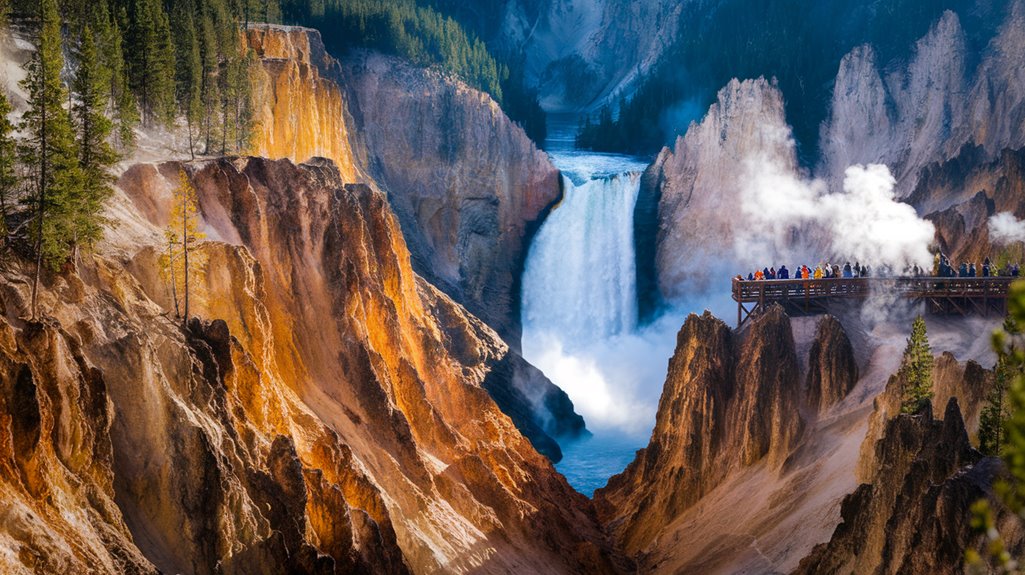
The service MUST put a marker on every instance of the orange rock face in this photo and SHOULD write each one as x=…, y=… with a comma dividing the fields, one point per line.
x=327, y=415
x=301, y=111
x=726, y=404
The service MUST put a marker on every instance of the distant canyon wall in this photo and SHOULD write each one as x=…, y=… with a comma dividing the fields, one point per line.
x=466, y=183
x=927, y=108
x=580, y=54
x=946, y=122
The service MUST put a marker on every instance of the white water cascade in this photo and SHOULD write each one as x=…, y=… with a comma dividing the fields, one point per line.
x=580, y=283
x=579, y=314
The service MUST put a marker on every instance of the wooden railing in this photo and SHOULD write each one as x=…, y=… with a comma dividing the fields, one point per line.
x=951, y=295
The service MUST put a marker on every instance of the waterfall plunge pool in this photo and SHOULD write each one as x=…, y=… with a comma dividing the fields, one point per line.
x=580, y=316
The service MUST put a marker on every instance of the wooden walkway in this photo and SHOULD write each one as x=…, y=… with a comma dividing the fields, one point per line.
x=963, y=296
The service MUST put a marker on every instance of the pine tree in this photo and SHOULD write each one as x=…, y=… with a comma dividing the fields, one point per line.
x=189, y=72
x=916, y=369
x=151, y=61
x=995, y=413
x=181, y=265
x=8, y=159
x=48, y=148
x=121, y=107
x=209, y=92
x=96, y=157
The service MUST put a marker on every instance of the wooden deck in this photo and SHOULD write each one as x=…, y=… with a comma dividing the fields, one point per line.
x=963, y=296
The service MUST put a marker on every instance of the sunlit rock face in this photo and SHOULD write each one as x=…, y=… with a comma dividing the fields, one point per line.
x=967, y=382
x=832, y=369
x=300, y=108
x=915, y=515
x=332, y=420
x=911, y=114
x=729, y=403
x=465, y=182
x=700, y=183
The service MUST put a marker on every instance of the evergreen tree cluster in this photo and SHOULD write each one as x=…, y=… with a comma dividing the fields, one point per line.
x=100, y=68
x=426, y=36
x=1002, y=433
x=916, y=369
x=167, y=60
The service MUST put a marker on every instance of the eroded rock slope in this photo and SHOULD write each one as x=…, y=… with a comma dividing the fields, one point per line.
x=328, y=414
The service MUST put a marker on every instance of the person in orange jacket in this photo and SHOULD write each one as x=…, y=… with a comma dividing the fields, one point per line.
x=805, y=272
x=759, y=275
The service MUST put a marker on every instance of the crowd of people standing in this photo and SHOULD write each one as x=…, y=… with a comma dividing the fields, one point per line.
x=944, y=269
x=821, y=271
x=941, y=268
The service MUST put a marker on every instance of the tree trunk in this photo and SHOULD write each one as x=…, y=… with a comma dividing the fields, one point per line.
x=185, y=253
x=188, y=123
x=174, y=278
x=43, y=157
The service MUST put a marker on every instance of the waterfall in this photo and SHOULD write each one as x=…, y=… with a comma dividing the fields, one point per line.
x=580, y=314
x=579, y=283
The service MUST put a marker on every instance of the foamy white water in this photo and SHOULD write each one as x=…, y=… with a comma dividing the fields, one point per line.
x=579, y=312
x=580, y=277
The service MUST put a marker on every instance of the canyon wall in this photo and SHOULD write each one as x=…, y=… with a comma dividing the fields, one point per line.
x=466, y=183
x=914, y=113
x=300, y=107
x=730, y=403
x=333, y=420
x=700, y=185
x=780, y=448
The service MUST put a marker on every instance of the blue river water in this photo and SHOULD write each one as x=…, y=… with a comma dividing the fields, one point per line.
x=579, y=310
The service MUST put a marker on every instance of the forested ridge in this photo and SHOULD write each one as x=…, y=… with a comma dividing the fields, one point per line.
x=425, y=34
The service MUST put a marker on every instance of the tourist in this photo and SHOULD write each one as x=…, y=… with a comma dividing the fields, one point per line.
x=985, y=268
x=836, y=271
x=784, y=273
x=962, y=272
x=759, y=275
x=818, y=272
x=971, y=270
x=750, y=276
x=772, y=273
x=1014, y=270
x=847, y=272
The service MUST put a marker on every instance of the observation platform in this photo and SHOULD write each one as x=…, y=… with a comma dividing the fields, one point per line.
x=960, y=296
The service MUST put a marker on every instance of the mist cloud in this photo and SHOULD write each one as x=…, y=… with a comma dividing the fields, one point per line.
x=789, y=216
x=1004, y=228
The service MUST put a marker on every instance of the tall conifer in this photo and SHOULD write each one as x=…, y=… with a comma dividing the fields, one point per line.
x=96, y=157
x=8, y=160
x=48, y=148
x=916, y=369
